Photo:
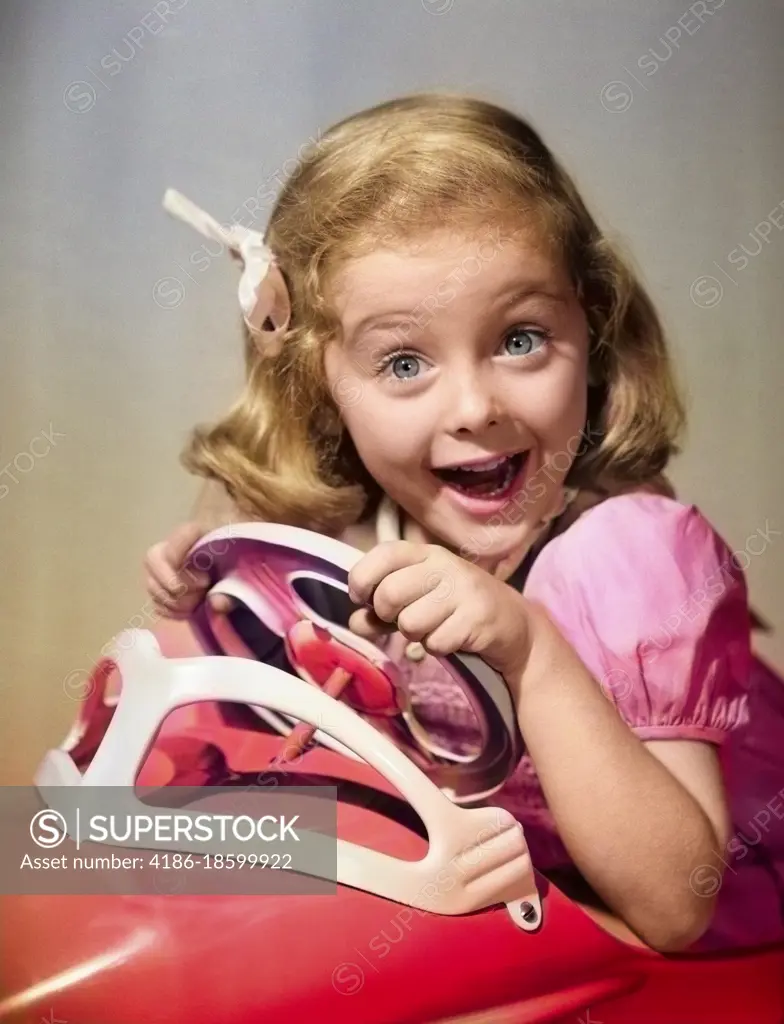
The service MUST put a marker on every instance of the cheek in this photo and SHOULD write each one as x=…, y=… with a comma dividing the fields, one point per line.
x=385, y=438
x=569, y=409
x=554, y=405
x=387, y=433
x=566, y=405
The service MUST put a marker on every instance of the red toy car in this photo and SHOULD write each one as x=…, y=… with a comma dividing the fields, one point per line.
x=437, y=915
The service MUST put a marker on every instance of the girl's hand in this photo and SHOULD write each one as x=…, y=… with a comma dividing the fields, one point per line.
x=176, y=591
x=433, y=596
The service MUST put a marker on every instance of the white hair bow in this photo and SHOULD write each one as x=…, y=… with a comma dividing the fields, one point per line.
x=263, y=294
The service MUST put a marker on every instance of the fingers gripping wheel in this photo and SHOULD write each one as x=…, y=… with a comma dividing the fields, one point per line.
x=266, y=569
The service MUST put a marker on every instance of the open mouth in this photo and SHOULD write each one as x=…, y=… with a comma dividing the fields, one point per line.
x=493, y=478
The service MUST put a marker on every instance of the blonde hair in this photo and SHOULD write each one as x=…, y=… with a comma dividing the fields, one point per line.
x=395, y=171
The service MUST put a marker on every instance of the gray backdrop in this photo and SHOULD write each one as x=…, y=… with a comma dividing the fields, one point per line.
x=117, y=335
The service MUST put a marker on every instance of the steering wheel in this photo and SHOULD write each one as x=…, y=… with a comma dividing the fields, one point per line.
x=291, y=599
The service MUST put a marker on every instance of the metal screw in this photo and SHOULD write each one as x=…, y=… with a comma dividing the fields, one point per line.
x=528, y=912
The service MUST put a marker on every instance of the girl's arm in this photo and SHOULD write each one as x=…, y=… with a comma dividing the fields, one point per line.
x=642, y=821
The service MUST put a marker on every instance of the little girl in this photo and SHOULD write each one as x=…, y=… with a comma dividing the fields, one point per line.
x=451, y=369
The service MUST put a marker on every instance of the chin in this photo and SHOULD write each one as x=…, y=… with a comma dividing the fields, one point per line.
x=482, y=543
x=500, y=550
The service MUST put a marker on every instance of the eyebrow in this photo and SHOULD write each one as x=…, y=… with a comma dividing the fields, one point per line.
x=513, y=296
x=390, y=319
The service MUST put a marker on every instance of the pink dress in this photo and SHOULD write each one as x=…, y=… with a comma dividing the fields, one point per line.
x=654, y=603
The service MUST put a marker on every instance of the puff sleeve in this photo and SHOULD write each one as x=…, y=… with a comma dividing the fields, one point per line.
x=655, y=604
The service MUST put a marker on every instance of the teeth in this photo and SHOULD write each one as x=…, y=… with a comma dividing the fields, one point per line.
x=483, y=467
x=508, y=478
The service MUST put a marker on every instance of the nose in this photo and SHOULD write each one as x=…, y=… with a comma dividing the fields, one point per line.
x=472, y=404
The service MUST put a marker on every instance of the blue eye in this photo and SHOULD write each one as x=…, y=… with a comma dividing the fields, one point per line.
x=405, y=367
x=398, y=365
x=522, y=341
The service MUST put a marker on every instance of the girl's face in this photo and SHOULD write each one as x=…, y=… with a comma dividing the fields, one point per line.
x=461, y=378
